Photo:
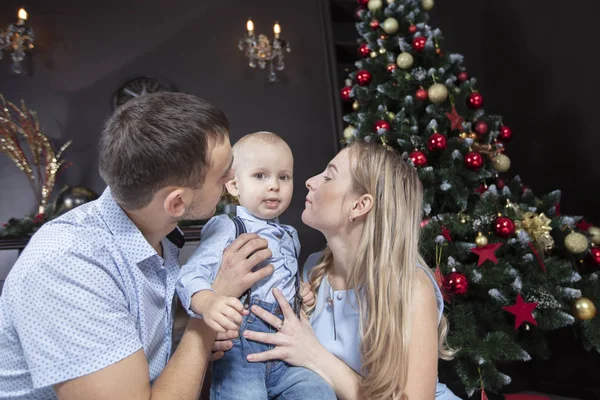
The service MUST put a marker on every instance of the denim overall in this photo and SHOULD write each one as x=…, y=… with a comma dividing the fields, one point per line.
x=235, y=378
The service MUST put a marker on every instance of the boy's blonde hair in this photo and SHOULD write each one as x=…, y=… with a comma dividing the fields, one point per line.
x=260, y=136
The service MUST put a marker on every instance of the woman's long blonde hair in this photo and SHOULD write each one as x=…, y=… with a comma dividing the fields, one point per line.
x=384, y=269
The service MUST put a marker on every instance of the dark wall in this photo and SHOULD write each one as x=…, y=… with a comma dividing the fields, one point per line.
x=533, y=62
x=86, y=50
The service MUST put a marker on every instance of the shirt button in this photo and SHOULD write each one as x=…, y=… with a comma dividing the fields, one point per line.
x=340, y=296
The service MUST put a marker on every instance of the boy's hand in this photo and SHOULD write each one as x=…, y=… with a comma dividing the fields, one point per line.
x=221, y=313
x=308, y=296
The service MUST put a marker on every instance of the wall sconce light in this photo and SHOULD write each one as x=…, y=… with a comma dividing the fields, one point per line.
x=262, y=52
x=17, y=39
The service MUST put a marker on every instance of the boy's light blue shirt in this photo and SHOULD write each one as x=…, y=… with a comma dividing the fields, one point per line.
x=201, y=269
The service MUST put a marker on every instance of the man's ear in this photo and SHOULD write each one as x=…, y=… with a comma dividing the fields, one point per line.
x=175, y=202
x=232, y=187
x=361, y=207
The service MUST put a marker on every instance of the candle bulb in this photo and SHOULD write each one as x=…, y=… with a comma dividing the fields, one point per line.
x=250, y=27
x=277, y=30
x=22, y=14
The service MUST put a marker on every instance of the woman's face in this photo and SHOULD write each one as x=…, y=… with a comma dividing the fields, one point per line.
x=330, y=196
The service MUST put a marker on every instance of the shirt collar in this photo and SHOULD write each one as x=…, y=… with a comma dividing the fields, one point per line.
x=128, y=236
x=246, y=215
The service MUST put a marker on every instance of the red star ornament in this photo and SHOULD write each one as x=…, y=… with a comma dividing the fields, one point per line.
x=522, y=311
x=455, y=119
x=439, y=280
x=583, y=225
x=446, y=234
x=486, y=253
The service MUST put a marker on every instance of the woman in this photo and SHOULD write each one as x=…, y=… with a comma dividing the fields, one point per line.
x=378, y=324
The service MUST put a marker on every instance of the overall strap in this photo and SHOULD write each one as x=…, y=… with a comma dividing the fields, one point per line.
x=240, y=228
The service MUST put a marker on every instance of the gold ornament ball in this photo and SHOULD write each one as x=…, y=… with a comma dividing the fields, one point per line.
x=408, y=76
x=374, y=5
x=584, y=309
x=373, y=54
x=349, y=82
x=472, y=135
x=390, y=25
x=382, y=50
x=391, y=116
x=437, y=93
x=349, y=132
x=427, y=4
x=501, y=163
x=404, y=60
x=355, y=106
x=576, y=242
x=481, y=240
x=594, y=234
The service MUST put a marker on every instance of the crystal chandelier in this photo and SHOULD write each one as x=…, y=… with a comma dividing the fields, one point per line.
x=262, y=52
x=17, y=39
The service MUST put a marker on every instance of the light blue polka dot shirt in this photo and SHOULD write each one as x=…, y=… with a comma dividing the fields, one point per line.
x=88, y=291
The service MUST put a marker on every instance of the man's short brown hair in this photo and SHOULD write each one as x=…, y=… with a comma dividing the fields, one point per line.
x=158, y=140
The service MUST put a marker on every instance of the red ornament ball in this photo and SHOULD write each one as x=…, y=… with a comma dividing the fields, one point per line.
x=438, y=51
x=504, y=227
x=418, y=158
x=500, y=183
x=473, y=160
x=481, y=128
x=475, y=101
x=524, y=189
x=462, y=76
x=345, y=93
x=595, y=254
x=455, y=283
x=425, y=222
x=363, y=77
x=505, y=134
x=358, y=14
x=421, y=94
x=391, y=67
x=419, y=43
x=363, y=50
x=436, y=142
x=382, y=124
x=374, y=24
x=412, y=28
x=362, y=2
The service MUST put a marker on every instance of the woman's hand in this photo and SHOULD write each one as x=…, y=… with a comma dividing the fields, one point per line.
x=296, y=343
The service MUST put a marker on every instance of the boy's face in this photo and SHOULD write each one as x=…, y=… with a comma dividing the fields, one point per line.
x=263, y=179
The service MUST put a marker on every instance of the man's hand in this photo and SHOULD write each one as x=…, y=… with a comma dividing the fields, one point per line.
x=308, y=296
x=222, y=344
x=235, y=275
x=220, y=313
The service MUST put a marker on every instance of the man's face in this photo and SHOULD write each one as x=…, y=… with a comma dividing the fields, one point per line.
x=205, y=200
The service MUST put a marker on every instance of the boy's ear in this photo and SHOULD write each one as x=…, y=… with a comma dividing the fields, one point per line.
x=232, y=187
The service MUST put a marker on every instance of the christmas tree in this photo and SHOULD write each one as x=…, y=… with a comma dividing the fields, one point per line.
x=510, y=266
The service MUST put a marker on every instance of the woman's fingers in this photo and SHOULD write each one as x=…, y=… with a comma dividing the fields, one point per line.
x=266, y=316
x=275, y=354
x=263, y=337
x=286, y=309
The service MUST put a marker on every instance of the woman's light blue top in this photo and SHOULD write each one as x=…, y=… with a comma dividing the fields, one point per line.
x=336, y=323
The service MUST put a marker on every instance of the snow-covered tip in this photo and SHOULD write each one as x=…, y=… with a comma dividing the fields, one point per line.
x=445, y=186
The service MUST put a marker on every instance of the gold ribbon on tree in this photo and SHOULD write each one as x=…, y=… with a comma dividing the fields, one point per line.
x=43, y=167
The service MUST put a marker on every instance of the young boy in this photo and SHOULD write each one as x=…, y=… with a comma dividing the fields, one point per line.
x=263, y=183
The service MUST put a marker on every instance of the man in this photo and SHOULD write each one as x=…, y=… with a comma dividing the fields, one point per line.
x=86, y=310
